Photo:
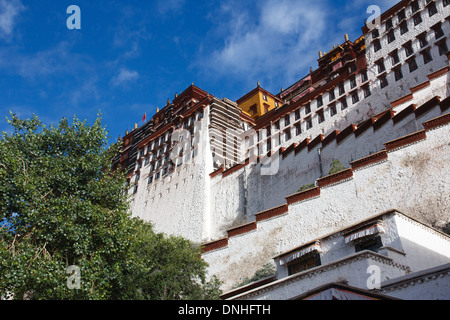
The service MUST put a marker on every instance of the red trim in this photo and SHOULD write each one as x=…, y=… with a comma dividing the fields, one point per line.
x=330, y=138
x=420, y=86
x=438, y=73
x=427, y=106
x=388, y=115
x=242, y=229
x=371, y=159
x=301, y=145
x=304, y=195
x=215, y=245
x=217, y=172
x=334, y=178
x=364, y=126
x=315, y=142
x=403, y=141
x=437, y=122
x=404, y=113
x=401, y=100
x=345, y=133
x=235, y=168
x=289, y=149
x=272, y=213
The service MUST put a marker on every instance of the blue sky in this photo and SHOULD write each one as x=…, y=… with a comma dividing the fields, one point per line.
x=131, y=56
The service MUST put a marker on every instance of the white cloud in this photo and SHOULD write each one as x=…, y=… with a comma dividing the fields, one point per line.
x=276, y=42
x=268, y=42
x=9, y=10
x=124, y=77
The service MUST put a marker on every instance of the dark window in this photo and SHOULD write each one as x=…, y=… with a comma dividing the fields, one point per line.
x=364, y=77
x=366, y=91
x=353, y=82
x=417, y=19
x=355, y=97
x=438, y=31
x=443, y=49
x=344, y=104
x=287, y=135
x=309, y=123
x=298, y=129
x=306, y=262
x=398, y=74
x=446, y=3
x=297, y=114
x=376, y=45
x=287, y=120
x=432, y=10
x=319, y=101
x=395, y=58
x=426, y=56
x=341, y=89
x=269, y=144
x=333, y=110
x=412, y=64
x=331, y=95
x=403, y=27
x=415, y=6
x=372, y=244
x=321, y=116
x=381, y=67
x=391, y=36
x=307, y=108
x=375, y=34
x=383, y=82
x=423, y=39
x=388, y=24
x=408, y=48
x=401, y=15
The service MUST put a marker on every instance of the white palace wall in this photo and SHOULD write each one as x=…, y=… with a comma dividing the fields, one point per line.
x=241, y=192
x=178, y=203
x=413, y=179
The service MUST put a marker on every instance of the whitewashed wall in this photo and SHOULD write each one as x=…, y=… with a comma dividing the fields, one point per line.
x=414, y=180
x=232, y=204
x=178, y=203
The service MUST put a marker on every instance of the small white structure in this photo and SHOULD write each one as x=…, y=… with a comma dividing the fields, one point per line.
x=375, y=254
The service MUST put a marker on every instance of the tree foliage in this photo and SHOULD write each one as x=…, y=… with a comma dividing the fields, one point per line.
x=61, y=205
x=336, y=166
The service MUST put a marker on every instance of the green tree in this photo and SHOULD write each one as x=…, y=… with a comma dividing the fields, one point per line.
x=61, y=205
x=167, y=268
x=336, y=166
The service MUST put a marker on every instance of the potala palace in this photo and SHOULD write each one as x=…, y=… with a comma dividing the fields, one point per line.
x=340, y=182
